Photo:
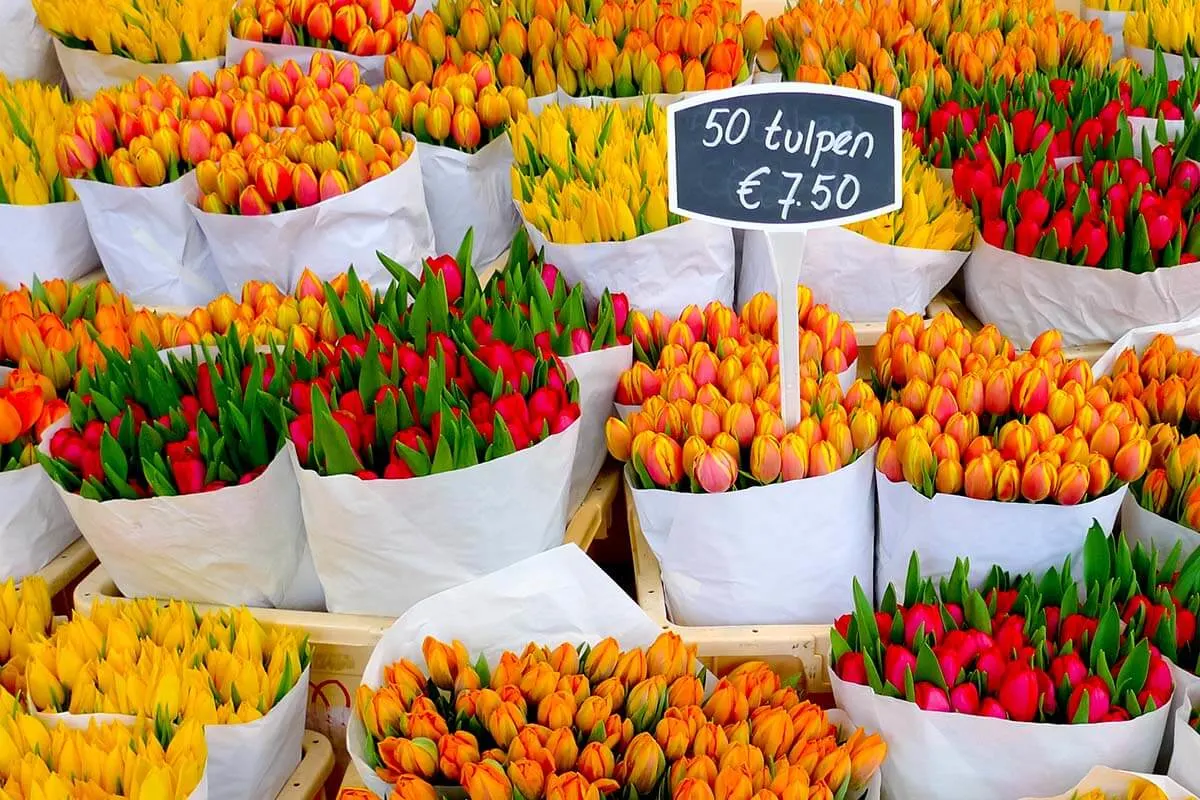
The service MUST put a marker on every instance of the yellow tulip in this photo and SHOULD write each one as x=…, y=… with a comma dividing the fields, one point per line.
x=157, y=32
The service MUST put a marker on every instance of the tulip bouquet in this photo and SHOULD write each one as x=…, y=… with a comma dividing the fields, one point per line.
x=466, y=157
x=426, y=399
x=149, y=438
x=46, y=228
x=1033, y=649
x=25, y=618
x=242, y=685
x=107, y=43
x=583, y=177
x=139, y=760
x=1123, y=215
x=361, y=28
x=593, y=720
x=1167, y=25
x=1023, y=445
x=710, y=422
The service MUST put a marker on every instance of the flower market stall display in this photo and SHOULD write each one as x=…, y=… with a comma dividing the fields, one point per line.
x=1071, y=249
x=1169, y=26
x=591, y=186
x=708, y=454
x=1103, y=783
x=185, y=458
x=612, y=709
x=25, y=618
x=339, y=188
x=246, y=684
x=133, y=167
x=901, y=259
x=362, y=31
x=466, y=156
x=34, y=524
x=1156, y=384
x=107, y=43
x=1022, y=450
x=138, y=760
x=472, y=437
x=1013, y=690
x=41, y=219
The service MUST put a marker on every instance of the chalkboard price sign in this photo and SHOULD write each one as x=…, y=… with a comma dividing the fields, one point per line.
x=784, y=156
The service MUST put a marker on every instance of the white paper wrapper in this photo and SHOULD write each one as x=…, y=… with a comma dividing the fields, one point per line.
x=1025, y=296
x=1113, y=23
x=248, y=761
x=666, y=270
x=935, y=756
x=470, y=190
x=1144, y=57
x=859, y=278
x=88, y=71
x=34, y=524
x=1019, y=537
x=411, y=538
x=370, y=67
x=50, y=241
x=1150, y=530
x=556, y=596
x=26, y=51
x=767, y=77
x=1116, y=782
x=771, y=555
x=597, y=373
x=240, y=545
x=1173, y=128
x=1185, y=683
x=386, y=215
x=149, y=243
x=1184, y=766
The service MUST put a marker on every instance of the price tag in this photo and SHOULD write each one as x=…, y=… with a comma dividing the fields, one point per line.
x=783, y=158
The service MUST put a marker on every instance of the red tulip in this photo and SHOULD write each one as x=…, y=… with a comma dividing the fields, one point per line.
x=897, y=661
x=1096, y=691
x=1020, y=695
x=965, y=698
x=992, y=708
x=451, y=273
x=189, y=475
x=923, y=615
x=852, y=667
x=931, y=698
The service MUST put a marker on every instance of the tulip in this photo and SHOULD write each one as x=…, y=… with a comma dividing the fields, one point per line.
x=486, y=781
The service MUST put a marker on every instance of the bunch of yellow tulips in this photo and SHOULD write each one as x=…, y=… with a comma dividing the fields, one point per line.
x=1173, y=25
x=152, y=32
x=931, y=217
x=592, y=175
x=167, y=663
x=111, y=760
x=1138, y=789
x=25, y=618
x=1115, y=5
x=31, y=120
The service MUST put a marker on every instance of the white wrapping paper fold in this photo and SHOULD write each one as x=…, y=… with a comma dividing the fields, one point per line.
x=149, y=243
x=1019, y=537
x=26, y=50
x=240, y=545
x=411, y=538
x=247, y=761
x=1184, y=766
x=1185, y=682
x=386, y=215
x=470, y=191
x=780, y=554
x=944, y=756
x=666, y=270
x=1144, y=56
x=88, y=71
x=859, y=278
x=1115, y=782
x=1024, y=296
x=50, y=241
x=370, y=67
x=1113, y=24
x=556, y=596
x=597, y=373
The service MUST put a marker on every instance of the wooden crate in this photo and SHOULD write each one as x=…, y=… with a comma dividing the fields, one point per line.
x=64, y=573
x=316, y=765
x=342, y=643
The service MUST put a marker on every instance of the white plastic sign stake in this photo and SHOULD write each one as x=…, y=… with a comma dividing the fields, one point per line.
x=784, y=158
